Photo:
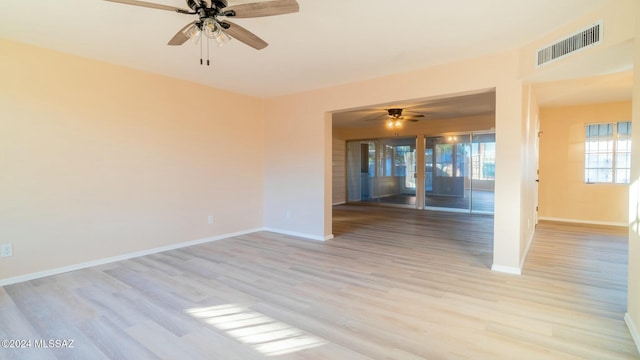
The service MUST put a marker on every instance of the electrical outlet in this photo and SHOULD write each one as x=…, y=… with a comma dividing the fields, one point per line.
x=6, y=250
x=210, y=219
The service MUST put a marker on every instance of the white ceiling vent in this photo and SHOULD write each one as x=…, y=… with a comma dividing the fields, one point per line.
x=590, y=36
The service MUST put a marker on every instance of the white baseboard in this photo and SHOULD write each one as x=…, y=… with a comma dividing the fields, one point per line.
x=506, y=269
x=515, y=270
x=98, y=262
x=588, y=222
x=633, y=330
x=300, y=235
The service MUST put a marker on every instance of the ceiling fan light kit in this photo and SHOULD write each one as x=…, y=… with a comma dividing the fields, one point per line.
x=193, y=33
x=394, y=124
x=395, y=119
x=213, y=30
x=209, y=22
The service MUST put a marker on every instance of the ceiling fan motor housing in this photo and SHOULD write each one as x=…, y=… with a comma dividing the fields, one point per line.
x=216, y=5
x=395, y=113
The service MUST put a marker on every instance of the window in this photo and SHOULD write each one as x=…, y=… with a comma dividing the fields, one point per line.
x=608, y=153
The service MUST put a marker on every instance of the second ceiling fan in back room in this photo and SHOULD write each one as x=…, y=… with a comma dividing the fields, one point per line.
x=213, y=19
x=395, y=117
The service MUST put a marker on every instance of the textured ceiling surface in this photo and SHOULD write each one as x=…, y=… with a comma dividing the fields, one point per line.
x=329, y=42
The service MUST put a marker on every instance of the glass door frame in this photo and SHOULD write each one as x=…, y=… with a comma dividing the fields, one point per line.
x=451, y=138
x=381, y=167
x=422, y=173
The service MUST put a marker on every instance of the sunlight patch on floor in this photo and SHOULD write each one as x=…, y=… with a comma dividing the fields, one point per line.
x=264, y=334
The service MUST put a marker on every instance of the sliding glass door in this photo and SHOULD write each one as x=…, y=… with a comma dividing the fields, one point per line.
x=447, y=169
x=382, y=171
x=459, y=172
x=483, y=165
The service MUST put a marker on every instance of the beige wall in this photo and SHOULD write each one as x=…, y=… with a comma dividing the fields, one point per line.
x=633, y=312
x=530, y=155
x=339, y=168
x=511, y=189
x=563, y=192
x=99, y=160
x=298, y=145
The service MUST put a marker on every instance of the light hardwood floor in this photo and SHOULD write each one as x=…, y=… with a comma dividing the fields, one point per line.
x=393, y=284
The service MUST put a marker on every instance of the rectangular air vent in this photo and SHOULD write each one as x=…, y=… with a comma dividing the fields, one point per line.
x=580, y=40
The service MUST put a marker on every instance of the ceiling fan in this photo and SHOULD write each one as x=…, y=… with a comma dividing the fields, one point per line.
x=396, y=114
x=209, y=22
x=395, y=117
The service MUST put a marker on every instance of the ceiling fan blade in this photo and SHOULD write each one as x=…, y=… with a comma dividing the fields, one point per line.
x=258, y=9
x=413, y=118
x=181, y=36
x=377, y=118
x=150, y=5
x=410, y=112
x=243, y=35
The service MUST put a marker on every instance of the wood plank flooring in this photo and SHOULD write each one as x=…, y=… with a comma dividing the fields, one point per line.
x=393, y=284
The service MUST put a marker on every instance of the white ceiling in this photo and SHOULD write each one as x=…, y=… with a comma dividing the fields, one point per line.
x=328, y=42
x=588, y=90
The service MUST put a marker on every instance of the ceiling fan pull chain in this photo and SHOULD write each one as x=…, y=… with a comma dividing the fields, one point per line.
x=201, y=45
x=207, y=51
